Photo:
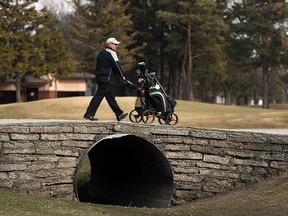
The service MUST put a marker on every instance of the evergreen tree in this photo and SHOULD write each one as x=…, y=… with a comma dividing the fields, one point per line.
x=208, y=40
x=54, y=59
x=256, y=28
x=20, y=35
x=199, y=42
x=19, y=20
x=151, y=32
x=284, y=69
x=92, y=23
x=180, y=15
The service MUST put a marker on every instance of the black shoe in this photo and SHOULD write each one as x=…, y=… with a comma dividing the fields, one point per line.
x=91, y=118
x=122, y=116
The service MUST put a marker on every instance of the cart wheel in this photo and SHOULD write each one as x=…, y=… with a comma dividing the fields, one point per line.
x=148, y=117
x=161, y=119
x=172, y=119
x=134, y=116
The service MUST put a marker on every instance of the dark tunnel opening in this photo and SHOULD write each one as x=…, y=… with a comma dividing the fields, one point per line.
x=124, y=170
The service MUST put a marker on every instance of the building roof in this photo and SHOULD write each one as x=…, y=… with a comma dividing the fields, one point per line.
x=28, y=80
x=31, y=80
x=81, y=75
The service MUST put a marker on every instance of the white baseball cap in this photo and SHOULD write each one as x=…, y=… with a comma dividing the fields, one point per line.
x=112, y=40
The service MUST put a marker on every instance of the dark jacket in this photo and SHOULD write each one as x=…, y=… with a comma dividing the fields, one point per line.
x=108, y=67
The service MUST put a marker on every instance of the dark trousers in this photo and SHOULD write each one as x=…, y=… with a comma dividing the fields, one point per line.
x=103, y=90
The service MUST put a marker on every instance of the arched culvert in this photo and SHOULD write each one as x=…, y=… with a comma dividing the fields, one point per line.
x=124, y=170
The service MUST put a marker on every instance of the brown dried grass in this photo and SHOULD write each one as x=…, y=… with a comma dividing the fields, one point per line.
x=192, y=114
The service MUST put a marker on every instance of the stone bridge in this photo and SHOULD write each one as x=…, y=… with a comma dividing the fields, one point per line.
x=133, y=164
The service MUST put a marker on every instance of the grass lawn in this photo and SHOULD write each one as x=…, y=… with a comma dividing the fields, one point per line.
x=190, y=113
x=267, y=198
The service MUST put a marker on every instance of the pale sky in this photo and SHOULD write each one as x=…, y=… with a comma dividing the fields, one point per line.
x=56, y=6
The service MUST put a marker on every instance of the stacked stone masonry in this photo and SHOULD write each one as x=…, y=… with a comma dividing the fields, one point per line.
x=41, y=157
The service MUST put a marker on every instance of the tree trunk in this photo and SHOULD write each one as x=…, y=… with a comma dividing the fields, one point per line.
x=184, y=78
x=173, y=80
x=187, y=66
x=286, y=95
x=255, y=97
x=18, y=88
x=265, y=84
x=179, y=85
x=162, y=77
x=227, y=91
x=190, y=62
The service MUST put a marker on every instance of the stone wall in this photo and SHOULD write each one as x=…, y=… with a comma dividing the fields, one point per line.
x=41, y=157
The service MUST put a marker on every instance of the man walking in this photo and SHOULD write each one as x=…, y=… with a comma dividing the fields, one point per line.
x=107, y=70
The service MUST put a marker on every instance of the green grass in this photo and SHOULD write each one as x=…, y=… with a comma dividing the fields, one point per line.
x=190, y=113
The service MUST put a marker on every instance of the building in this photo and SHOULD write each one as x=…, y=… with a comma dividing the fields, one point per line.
x=77, y=84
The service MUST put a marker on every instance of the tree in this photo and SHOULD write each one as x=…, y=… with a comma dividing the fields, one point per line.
x=182, y=18
x=257, y=26
x=199, y=28
x=209, y=57
x=19, y=20
x=150, y=31
x=54, y=58
x=92, y=23
x=21, y=33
